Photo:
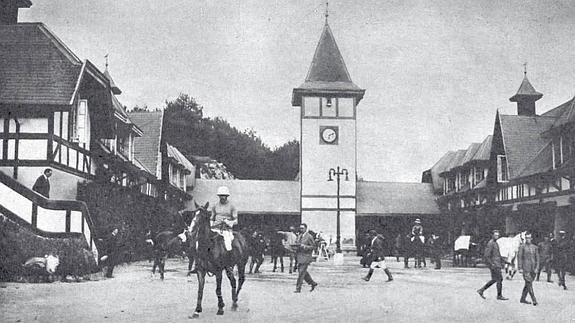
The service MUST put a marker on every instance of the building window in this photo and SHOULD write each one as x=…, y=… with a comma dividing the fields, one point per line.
x=502, y=169
x=464, y=179
x=478, y=175
x=80, y=126
x=556, y=144
x=328, y=107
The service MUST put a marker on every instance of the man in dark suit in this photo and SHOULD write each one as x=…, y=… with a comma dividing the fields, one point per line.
x=546, y=256
x=42, y=184
x=377, y=255
x=495, y=263
x=528, y=258
x=562, y=257
x=305, y=244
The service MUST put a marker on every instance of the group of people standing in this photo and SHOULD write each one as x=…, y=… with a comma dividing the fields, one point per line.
x=532, y=259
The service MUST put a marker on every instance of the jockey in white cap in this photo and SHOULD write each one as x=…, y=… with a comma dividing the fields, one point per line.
x=224, y=217
x=417, y=228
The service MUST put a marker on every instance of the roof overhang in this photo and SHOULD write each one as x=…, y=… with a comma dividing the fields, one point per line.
x=298, y=93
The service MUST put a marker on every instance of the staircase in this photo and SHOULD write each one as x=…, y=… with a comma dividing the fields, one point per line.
x=44, y=217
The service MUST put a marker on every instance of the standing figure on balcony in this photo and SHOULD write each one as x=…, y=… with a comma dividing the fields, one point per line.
x=42, y=184
x=224, y=217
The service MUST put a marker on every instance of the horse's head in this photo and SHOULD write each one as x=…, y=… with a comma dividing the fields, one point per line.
x=201, y=218
x=52, y=263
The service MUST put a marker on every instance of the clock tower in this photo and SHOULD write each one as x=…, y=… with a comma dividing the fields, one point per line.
x=328, y=99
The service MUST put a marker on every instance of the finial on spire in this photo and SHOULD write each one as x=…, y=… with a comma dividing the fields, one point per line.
x=525, y=68
x=106, y=56
x=326, y=11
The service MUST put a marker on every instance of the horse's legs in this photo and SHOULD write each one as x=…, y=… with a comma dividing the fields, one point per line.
x=259, y=262
x=232, y=279
x=201, y=281
x=282, y=263
x=275, y=261
x=219, y=292
x=290, y=263
x=252, y=261
x=163, y=265
x=242, y=275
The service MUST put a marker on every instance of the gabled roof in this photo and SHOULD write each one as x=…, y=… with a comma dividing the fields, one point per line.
x=36, y=66
x=121, y=114
x=385, y=198
x=470, y=153
x=522, y=139
x=440, y=167
x=253, y=196
x=526, y=90
x=567, y=115
x=456, y=160
x=115, y=89
x=147, y=147
x=543, y=162
x=175, y=154
x=328, y=72
x=484, y=151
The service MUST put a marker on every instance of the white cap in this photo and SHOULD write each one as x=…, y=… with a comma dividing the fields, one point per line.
x=223, y=190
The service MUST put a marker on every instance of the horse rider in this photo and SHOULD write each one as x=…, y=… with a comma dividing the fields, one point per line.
x=224, y=217
x=495, y=263
x=546, y=256
x=417, y=227
x=528, y=257
x=561, y=255
x=377, y=255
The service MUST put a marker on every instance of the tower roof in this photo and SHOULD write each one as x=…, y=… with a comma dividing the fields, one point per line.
x=526, y=90
x=327, y=73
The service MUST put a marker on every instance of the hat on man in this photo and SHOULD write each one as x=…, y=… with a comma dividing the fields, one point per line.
x=417, y=221
x=373, y=232
x=223, y=190
x=561, y=232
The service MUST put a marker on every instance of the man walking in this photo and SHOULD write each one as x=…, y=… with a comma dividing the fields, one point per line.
x=528, y=258
x=377, y=256
x=305, y=245
x=42, y=184
x=545, y=257
x=494, y=262
x=562, y=257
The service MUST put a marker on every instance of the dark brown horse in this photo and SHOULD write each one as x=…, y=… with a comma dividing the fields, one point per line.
x=212, y=257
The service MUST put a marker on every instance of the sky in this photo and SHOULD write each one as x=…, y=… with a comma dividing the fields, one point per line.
x=435, y=72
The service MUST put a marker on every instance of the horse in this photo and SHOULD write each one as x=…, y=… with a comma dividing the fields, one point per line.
x=465, y=250
x=257, y=247
x=212, y=257
x=44, y=267
x=414, y=246
x=509, y=249
x=162, y=244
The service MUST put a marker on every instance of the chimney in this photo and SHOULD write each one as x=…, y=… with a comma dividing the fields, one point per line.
x=525, y=98
x=9, y=10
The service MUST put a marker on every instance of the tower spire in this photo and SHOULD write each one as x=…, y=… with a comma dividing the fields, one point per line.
x=525, y=69
x=106, y=56
x=326, y=11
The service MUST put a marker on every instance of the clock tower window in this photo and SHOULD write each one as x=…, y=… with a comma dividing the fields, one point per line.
x=328, y=107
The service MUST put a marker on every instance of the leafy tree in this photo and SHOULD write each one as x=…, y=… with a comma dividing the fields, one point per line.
x=243, y=152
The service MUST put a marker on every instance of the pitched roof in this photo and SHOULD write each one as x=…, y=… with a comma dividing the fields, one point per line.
x=456, y=160
x=115, y=89
x=484, y=151
x=36, y=66
x=526, y=90
x=384, y=198
x=174, y=153
x=522, y=139
x=567, y=114
x=440, y=167
x=470, y=153
x=147, y=147
x=543, y=162
x=328, y=72
x=253, y=196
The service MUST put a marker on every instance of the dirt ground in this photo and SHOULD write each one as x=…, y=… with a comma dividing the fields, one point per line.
x=416, y=295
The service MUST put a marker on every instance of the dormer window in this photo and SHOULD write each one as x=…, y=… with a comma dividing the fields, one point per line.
x=502, y=169
x=81, y=123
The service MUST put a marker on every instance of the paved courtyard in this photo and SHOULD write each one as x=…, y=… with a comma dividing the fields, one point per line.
x=416, y=295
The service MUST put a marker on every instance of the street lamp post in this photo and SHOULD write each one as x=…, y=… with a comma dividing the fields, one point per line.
x=337, y=173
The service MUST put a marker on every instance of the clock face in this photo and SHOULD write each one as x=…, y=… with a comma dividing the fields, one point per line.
x=329, y=135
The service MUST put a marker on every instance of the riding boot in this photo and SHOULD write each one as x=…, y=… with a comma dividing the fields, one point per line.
x=388, y=273
x=368, y=276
